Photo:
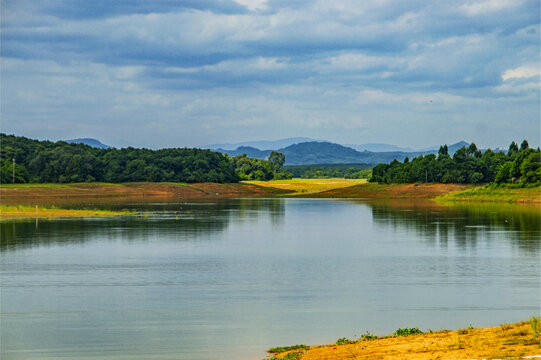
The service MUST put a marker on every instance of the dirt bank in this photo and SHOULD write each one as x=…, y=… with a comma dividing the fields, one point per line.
x=32, y=194
x=395, y=191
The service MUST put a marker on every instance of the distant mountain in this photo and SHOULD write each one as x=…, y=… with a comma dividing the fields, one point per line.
x=315, y=152
x=379, y=147
x=452, y=148
x=323, y=152
x=90, y=142
x=260, y=145
x=248, y=150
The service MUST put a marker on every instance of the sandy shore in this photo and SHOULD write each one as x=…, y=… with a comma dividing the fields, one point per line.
x=512, y=341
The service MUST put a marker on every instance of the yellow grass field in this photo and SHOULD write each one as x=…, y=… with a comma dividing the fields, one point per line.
x=513, y=341
x=308, y=186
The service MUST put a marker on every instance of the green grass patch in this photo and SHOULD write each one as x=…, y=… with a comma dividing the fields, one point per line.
x=495, y=193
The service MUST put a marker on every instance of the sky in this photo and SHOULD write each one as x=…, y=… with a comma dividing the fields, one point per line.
x=188, y=73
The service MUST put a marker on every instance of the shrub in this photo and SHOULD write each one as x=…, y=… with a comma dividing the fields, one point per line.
x=407, y=332
x=344, y=341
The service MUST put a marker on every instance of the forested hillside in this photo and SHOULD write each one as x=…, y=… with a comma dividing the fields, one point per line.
x=468, y=166
x=60, y=162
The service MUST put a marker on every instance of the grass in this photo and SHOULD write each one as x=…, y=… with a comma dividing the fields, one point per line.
x=296, y=355
x=535, y=324
x=307, y=186
x=24, y=211
x=280, y=349
x=491, y=193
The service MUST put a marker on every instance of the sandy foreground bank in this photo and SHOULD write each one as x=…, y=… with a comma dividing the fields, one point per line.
x=512, y=341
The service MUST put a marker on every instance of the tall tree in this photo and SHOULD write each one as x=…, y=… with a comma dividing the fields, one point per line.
x=277, y=160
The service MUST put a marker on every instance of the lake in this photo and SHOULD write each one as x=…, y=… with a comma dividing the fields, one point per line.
x=228, y=279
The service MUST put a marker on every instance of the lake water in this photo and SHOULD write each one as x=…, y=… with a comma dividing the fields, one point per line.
x=229, y=279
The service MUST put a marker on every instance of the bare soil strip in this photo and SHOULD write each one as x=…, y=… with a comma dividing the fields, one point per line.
x=31, y=194
x=395, y=191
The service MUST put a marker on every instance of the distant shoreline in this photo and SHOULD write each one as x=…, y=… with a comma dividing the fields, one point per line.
x=95, y=193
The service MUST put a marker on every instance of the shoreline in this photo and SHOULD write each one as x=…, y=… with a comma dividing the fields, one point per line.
x=96, y=193
x=9, y=212
x=504, y=341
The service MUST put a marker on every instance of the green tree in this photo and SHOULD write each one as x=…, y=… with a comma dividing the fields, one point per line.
x=513, y=148
x=276, y=161
x=530, y=169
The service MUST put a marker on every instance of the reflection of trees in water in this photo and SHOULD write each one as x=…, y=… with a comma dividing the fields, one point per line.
x=465, y=225
x=174, y=222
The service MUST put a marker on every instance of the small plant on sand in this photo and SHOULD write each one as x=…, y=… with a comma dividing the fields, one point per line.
x=344, y=341
x=367, y=336
x=465, y=330
x=407, y=332
x=280, y=349
x=536, y=326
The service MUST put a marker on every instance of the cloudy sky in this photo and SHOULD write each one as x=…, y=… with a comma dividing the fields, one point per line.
x=188, y=73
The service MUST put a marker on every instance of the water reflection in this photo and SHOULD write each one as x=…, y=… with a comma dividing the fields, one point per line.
x=463, y=224
x=192, y=221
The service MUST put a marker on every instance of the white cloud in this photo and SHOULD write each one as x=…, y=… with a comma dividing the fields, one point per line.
x=487, y=6
x=521, y=72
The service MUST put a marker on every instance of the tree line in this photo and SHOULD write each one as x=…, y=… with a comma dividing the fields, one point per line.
x=323, y=171
x=468, y=165
x=25, y=160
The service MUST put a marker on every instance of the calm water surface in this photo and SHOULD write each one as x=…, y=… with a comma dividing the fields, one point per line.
x=229, y=279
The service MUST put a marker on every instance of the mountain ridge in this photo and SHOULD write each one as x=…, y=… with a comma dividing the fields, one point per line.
x=90, y=142
x=324, y=152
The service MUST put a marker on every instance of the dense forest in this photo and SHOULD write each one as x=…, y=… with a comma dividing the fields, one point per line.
x=59, y=162
x=468, y=165
x=322, y=171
